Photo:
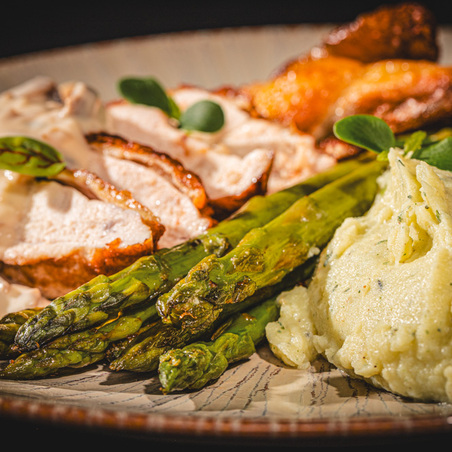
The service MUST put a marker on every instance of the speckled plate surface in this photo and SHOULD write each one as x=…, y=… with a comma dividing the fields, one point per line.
x=259, y=398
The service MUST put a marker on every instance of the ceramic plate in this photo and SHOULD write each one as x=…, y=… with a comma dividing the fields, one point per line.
x=259, y=398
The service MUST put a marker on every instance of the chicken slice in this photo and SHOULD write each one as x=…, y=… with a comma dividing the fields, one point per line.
x=247, y=156
x=408, y=95
x=131, y=166
x=55, y=238
x=64, y=115
x=381, y=64
x=226, y=177
x=401, y=31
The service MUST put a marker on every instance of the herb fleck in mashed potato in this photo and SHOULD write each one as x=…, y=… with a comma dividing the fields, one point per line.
x=379, y=304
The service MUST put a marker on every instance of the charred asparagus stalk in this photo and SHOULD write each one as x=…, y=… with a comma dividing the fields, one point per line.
x=119, y=348
x=105, y=296
x=9, y=325
x=145, y=338
x=267, y=254
x=78, y=349
x=194, y=365
x=142, y=352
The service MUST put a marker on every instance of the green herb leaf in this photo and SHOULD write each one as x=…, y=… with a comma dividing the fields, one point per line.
x=29, y=156
x=174, y=109
x=365, y=131
x=205, y=116
x=373, y=134
x=147, y=91
x=439, y=135
x=438, y=154
x=414, y=142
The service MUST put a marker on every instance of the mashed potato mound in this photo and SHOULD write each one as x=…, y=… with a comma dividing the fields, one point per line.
x=379, y=304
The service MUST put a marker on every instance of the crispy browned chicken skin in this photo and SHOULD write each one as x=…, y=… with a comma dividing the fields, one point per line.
x=383, y=64
x=405, y=31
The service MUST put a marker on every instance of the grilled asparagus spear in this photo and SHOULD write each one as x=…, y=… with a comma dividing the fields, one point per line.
x=142, y=352
x=119, y=348
x=266, y=254
x=9, y=325
x=105, y=296
x=194, y=365
x=78, y=349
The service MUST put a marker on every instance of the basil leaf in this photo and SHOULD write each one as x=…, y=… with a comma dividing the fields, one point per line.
x=365, y=131
x=147, y=91
x=205, y=116
x=29, y=156
x=438, y=154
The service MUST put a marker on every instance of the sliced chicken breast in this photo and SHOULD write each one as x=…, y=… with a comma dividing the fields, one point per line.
x=54, y=237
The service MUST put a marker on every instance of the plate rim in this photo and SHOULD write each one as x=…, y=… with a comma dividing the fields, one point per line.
x=10, y=59
x=202, y=426
x=106, y=42
x=193, y=426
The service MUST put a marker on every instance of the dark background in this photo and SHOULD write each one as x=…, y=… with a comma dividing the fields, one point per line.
x=39, y=25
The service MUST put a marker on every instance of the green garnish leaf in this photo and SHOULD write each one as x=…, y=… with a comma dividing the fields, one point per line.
x=365, y=131
x=439, y=135
x=414, y=142
x=174, y=109
x=29, y=156
x=147, y=91
x=383, y=156
x=373, y=134
x=205, y=116
x=438, y=154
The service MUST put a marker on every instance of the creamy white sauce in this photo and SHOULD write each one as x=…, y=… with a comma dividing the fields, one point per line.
x=32, y=110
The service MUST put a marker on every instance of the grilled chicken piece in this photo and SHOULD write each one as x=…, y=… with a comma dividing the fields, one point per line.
x=156, y=180
x=65, y=115
x=93, y=187
x=247, y=156
x=295, y=156
x=54, y=238
x=408, y=95
x=185, y=181
x=368, y=66
x=403, y=31
x=303, y=94
x=229, y=180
